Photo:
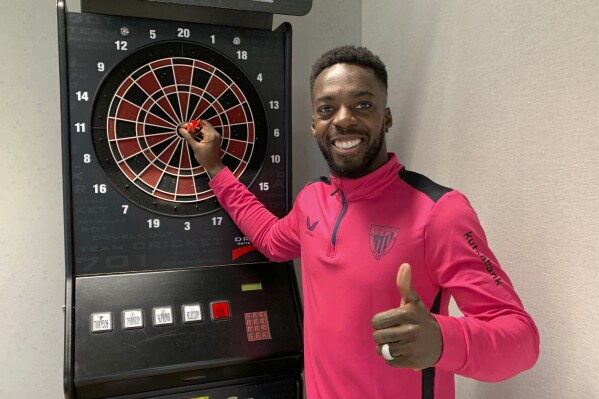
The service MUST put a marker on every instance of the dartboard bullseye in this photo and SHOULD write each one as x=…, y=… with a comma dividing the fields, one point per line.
x=139, y=108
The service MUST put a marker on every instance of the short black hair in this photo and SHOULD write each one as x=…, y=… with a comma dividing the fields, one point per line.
x=350, y=55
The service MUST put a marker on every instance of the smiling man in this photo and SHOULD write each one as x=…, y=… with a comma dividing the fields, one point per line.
x=382, y=249
x=350, y=119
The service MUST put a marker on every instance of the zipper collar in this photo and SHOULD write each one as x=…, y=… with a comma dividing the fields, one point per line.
x=371, y=185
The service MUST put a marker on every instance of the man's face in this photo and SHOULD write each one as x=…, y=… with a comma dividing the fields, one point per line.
x=349, y=119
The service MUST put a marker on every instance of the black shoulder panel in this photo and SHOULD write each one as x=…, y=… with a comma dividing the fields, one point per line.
x=428, y=374
x=321, y=179
x=423, y=184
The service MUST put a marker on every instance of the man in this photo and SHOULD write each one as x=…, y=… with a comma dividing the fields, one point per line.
x=352, y=233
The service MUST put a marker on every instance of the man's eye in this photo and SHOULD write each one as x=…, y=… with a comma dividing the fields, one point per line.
x=325, y=109
x=363, y=105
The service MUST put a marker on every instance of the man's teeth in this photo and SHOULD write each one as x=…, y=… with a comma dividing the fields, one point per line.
x=347, y=143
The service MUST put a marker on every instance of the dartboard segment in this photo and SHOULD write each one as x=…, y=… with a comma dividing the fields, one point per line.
x=139, y=108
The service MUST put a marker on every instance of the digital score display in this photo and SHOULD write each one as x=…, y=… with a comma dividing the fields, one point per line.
x=251, y=287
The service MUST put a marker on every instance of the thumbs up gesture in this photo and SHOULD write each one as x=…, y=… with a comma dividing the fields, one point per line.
x=408, y=336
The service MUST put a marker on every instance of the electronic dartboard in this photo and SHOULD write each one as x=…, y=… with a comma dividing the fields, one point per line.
x=165, y=296
x=143, y=102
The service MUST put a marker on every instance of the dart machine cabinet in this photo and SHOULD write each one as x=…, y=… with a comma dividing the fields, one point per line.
x=165, y=296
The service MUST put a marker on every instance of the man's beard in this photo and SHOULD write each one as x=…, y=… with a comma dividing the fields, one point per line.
x=360, y=169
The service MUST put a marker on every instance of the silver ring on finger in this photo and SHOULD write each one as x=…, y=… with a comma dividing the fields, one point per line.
x=387, y=352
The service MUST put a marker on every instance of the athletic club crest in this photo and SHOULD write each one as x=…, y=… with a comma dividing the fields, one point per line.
x=382, y=239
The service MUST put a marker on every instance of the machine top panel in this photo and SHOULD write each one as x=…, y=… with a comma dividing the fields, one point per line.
x=287, y=7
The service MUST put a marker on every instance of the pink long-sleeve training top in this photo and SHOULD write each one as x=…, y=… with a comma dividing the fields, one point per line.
x=352, y=235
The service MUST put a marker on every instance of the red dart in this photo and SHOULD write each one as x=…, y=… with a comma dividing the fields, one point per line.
x=193, y=126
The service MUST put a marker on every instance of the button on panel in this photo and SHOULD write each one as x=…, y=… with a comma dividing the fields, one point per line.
x=101, y=322
x=220, y=310
x=132, y=319
x=192, y=313
x=163, y=316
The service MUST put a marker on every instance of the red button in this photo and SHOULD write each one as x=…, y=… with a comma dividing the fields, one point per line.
x=220, y=310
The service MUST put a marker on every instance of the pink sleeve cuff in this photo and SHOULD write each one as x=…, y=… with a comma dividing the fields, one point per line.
x=454, y=351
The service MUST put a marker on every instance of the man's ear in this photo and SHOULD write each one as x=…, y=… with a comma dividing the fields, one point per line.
x=312, y=128
x=387, y=119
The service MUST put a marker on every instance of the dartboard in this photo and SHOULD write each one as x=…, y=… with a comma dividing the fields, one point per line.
x=140, y=107
x=139, y=199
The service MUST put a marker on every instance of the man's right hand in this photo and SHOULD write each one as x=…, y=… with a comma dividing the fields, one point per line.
x=206, y=151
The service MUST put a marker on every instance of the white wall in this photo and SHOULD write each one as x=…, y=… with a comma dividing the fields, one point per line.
x=31, y=222
x=31, y=218
x=500, y=99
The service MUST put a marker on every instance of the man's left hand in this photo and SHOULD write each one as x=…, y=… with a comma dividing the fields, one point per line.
x=411, y=331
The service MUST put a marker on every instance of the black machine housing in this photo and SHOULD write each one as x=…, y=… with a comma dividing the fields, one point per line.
x=165, y=297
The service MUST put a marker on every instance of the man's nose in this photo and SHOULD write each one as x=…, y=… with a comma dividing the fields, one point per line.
x=344, y=118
